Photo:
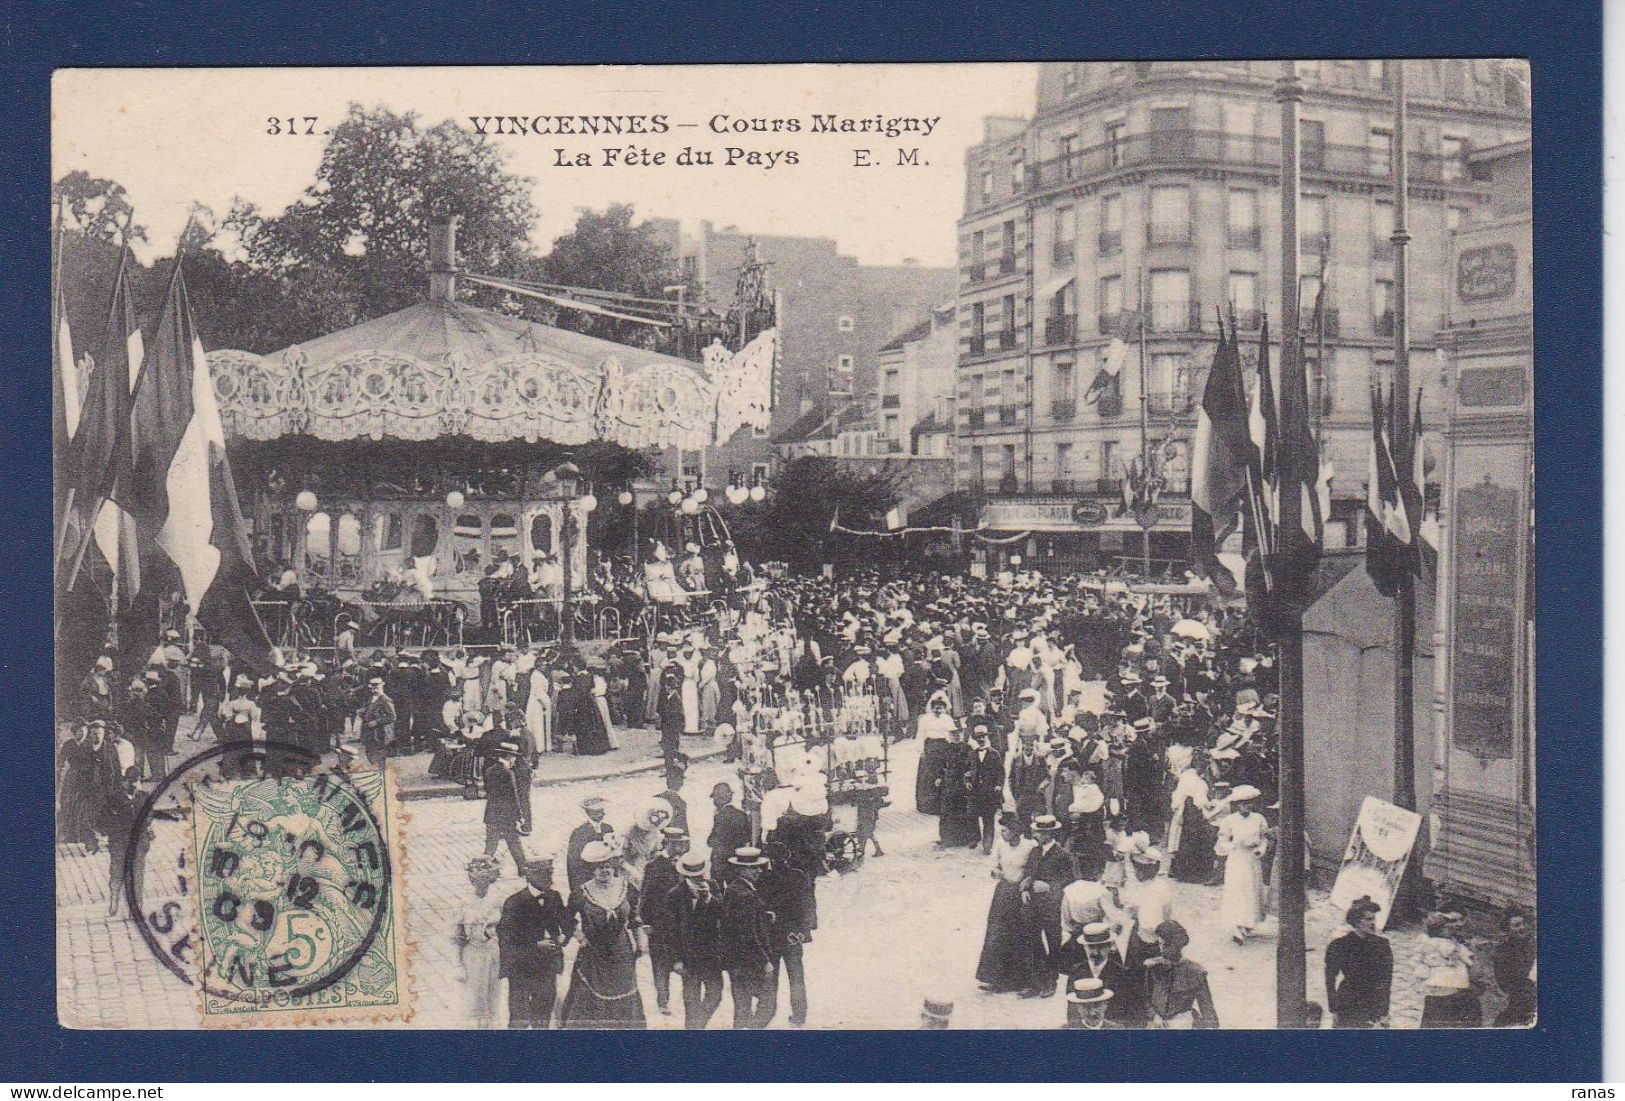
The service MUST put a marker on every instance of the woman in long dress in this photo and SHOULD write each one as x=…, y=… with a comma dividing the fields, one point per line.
x=475, y=936
x=1242, y=840
x=604, y=982
x=1190, y=837
x=936, y=726
x=690, y=661
x=539, y=710
x=578, y=717
x=1010, y=959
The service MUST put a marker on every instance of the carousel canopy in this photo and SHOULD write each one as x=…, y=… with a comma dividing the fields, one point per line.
x=443, y=368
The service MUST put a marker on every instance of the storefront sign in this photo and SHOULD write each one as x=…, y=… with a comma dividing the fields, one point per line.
x=1379, y=848
x=1074, y=516
x=1089, y=513
x=1485, y=685
x=1486, y=273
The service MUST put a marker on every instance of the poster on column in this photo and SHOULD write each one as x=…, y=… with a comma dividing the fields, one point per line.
x=1378, y=850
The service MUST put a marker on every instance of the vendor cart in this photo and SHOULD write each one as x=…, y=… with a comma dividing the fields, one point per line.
x=823, y=754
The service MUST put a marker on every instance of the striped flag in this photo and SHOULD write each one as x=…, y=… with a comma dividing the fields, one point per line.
x=1388, y=531
x=99, y=452
x=182, y=495
x=1222, y=459
x=1110, y=368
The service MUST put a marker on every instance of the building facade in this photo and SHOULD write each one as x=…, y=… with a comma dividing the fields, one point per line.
x=917, y=377
x=1140, y=200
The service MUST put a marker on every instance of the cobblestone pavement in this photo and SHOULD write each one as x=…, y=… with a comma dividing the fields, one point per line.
x=896, y=929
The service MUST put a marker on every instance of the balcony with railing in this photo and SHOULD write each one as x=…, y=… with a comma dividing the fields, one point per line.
x=1330, y=321
x=1110, y=403
x=1060, y=328
x=1007, y=339
x=1068, y=486
x=891, y=401
x=1383, y=324
x=1175, y=317
x=1168, y=233
x=1109, y=487
x=1118, y=322
x=1215, y=147
x=976, y=418
x=1247, y=237
x=1063, y=252
x=1008, y=483
x=1111, y=242
x=1007, y=264
x=1063, y=409
x=978, y=344
x=1169, y=403
x=976, y=272
x=1009, y=414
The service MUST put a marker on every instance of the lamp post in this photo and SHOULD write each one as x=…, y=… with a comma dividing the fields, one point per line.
x=567, y=477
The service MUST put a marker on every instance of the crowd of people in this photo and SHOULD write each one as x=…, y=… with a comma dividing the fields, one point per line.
x=1096, y=744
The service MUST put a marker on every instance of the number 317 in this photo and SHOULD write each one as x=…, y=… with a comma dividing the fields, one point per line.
x=305, y=126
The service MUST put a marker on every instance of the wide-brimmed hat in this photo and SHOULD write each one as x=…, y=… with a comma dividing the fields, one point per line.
x=1088, y=991
x=748, y=856
x=597, y=852
x=673, y=833
x=1097, y=932
x=1243, y=793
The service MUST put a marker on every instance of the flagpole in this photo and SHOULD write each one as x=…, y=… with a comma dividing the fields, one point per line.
x=1145, y=458
x=1290, y=981
x=1405, y=598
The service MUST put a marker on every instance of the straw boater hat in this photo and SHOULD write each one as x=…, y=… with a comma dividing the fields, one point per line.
x=597, y=852
x=1097, y=932
x=748, y=856
x=692, y=866
x=938, y=1008
x=1244, y=793
x=1088, y=991
x=1046, y=823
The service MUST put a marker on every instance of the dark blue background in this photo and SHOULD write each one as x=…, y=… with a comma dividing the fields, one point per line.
x=1563, y=41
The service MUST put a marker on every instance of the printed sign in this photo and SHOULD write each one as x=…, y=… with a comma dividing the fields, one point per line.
x=1484, y=673
x=1486, y=273
x=1378, y=850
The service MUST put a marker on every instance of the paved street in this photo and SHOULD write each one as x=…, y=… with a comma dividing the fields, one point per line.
x=898, y=928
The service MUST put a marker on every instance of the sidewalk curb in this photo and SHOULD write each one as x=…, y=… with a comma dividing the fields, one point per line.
x=448, y=790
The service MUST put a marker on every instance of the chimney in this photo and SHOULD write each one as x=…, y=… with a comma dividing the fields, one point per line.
x=443, y=260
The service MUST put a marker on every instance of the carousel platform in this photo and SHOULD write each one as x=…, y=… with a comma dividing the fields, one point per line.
x=639, y=752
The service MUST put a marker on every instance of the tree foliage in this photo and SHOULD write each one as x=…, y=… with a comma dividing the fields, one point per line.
x=355, y=245
x=96, y=208
x=793, y=524
x=605, y=251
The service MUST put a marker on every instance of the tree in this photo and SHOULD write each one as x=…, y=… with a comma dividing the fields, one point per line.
x=607, y=252
x=96, y=208
x=354, y=246
x=793, y=524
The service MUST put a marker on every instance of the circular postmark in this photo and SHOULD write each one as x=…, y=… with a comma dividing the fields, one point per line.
x=280, y=888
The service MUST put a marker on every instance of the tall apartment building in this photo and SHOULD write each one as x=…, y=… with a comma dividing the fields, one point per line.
x=917, y=379
x=1158, y=183
x=834, y=315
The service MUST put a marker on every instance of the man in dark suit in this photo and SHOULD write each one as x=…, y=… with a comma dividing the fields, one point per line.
x=1049, y=870
x=507, y=802
x=986, y=769
x=1028, y=771
x=377, y=721
x=792, y=898
x=691, y=917
x=747, y=951
x=659, y=877
x=576, y=870
x=531, y=935
x=730, y=830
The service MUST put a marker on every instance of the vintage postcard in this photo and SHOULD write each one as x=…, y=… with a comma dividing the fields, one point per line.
x=881, y=546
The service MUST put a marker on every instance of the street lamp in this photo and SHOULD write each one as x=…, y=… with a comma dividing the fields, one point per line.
x=567, y=479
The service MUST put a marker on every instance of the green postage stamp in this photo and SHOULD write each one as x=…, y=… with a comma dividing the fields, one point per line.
x=298, y=900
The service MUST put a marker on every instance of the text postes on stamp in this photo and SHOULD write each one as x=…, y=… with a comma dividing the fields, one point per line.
x=297, y=900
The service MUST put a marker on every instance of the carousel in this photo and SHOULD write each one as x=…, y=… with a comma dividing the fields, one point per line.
x=410, y=467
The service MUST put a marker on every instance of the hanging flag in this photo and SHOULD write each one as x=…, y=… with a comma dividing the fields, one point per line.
x=895, y=519
x=1381, y=560
x=1110, y=368
x=1264, y=425
x=1288, y=553
x=1424, y=523
x=99, y=452
x=1222, y=457
x=182, y=495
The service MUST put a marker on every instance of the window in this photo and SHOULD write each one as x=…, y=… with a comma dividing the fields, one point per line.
x=1238, y=131
x=1455, y=78
x=1308, y=290
x=1064, y=148
x=1111, y=300
x=1242, y=291
x=1066, y=235
x=1380, y=160
x=758, y=473
x=1111, y=225
x=1063, y=462
x=1170, y=132
x=1170, y=215
x=1008, y=464
x=1064, y=388
x=1452, y=158
x=1108, y=459
x=1382, y=307
x=1007, y=314
x=1007, y=248
x=1312, y=224
x=1170, y=299
x=1454, y=218
x=987, y=184
x=1069, y=79
x=891, y=426
x=844, y=324
x=1311, y=143
x=843, y=364
x=978, y=248
x=978, y=468
x=978, y=320
x=1241, y=213
x=1382, y=230
x=467, y=535
x=425, y=535
x=890, y=381
x=1018, y=172
x=1377, y=72
x=1169, y=384
x=387, y=532
x=1115, y=133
